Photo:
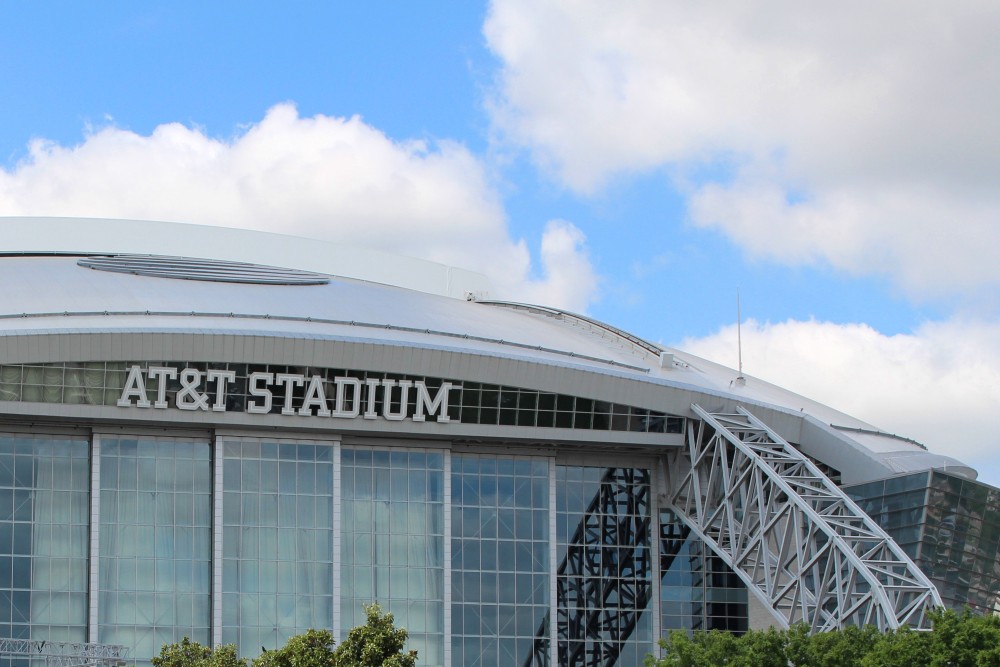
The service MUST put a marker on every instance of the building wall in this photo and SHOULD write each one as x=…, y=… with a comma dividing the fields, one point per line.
x=250, y=538
x=949, y=525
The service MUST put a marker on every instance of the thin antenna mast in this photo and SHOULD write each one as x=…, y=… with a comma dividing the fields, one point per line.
x=739, y=339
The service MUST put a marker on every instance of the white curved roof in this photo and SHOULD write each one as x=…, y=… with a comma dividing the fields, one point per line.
x=47, y=290
x=75, y=236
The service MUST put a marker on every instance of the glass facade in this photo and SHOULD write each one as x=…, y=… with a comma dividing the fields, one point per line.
x=44, y=491
x=234, y=539
x=697, y=590
x=500, y=560
x=155, y=542
x=950, y=526
x=277, y=569
x=393, y=542
x=604, y=579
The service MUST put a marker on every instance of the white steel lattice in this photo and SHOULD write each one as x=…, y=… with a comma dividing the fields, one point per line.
x=799, y=543
x=64, y=654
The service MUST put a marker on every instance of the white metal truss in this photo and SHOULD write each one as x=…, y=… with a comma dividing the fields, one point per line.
x=65, y=654
x=800, y=544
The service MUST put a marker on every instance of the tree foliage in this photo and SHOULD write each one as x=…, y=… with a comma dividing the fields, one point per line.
x=187, y=653
x=377, y=643
x=957, y=640
x=313, y=648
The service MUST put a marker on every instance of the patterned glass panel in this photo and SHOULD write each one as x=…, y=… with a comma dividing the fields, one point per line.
x=605, y=572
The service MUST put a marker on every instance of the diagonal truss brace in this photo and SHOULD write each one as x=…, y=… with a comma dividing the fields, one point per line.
x=799, y=543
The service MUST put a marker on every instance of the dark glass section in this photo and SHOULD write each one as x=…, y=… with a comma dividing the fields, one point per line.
x=698, y=591
x=949, y=525
x=898, y=505
x=962, y=540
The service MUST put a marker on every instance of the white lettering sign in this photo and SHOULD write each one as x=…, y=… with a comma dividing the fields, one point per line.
x=344, y=398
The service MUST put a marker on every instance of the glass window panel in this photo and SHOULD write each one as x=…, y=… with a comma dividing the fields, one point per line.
x=397, y=533
x=281, y=571
x=501, y=505
x=591, y=500
x=155, y=539
x=46, y=556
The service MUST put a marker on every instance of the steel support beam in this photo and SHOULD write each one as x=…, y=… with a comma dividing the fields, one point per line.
x=805, y=549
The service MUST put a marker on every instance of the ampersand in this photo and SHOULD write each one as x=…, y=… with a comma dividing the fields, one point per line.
x=188, y=397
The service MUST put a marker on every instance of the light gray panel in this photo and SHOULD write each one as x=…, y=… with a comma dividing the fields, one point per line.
x=217, y=346
x=34, y=348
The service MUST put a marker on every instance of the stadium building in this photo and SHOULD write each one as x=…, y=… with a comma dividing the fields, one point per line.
x=236, y=436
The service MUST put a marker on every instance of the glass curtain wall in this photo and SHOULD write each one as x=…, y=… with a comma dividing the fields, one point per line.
x=44, y=491
x=605, y=569
x=898, y=505
x=155, y=543
x=392, y=515
x=949, y=525
x=500, y=561
x=698, y=591
x=961, y=542
x=277, y=572
x=278, y=510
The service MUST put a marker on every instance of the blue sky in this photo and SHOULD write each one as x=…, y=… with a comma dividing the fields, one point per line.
x=837, y=167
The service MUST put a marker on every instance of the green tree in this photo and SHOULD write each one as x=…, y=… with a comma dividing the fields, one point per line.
x=312, y=648
x=963, y=640
x=766, y=648
x=956, y=640
x=187, y=653
x=377, y=643
x=902, y=648
x=845, y=648
x=702, y=649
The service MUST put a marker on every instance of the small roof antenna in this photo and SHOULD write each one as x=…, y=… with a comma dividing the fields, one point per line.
x=740, y=380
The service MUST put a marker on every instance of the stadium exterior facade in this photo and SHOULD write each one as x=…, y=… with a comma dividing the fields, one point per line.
x=194, y=443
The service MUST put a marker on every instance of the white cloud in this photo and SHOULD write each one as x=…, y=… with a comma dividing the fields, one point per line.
x=569, y=277
x=863, y=135
x=336, y=179
x=939, y=385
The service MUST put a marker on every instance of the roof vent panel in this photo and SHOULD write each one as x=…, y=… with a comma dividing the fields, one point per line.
x=211, y=270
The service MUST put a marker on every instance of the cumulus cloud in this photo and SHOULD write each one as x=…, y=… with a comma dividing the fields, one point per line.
x=336, y=179
x=862, y=135
x=569, y=276
x=939, y=385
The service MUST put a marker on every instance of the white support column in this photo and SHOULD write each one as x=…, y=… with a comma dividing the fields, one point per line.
x=553, y=568
x=218, y=489
x=336, y=541
x=446, y=486
x=94, y=574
